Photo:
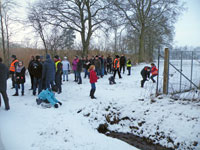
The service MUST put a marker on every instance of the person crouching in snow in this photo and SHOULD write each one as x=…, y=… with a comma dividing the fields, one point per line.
x=93, y=80
x=145, y=73
x=48, y=96
x=154, y=72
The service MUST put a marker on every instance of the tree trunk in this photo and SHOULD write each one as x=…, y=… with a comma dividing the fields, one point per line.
x=141, y=45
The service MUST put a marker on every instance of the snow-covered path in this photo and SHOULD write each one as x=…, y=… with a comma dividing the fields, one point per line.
x=27, y=126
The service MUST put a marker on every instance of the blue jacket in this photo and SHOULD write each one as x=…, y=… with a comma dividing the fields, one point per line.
x=48, y=70
x=48, y=95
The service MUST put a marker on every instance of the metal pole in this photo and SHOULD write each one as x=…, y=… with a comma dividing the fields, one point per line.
x=158, y=71
x=191, y=70
x=181, y=69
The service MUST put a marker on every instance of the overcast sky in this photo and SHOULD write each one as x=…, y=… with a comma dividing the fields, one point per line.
x=187, y=28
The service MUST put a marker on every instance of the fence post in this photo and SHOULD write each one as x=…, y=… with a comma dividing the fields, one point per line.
x=157, y=92
x=166, y=71
x=191, y=69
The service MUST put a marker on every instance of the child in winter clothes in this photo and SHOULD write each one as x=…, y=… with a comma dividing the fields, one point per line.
x=20, y=78
x=154, y=72
x=48, y=96
x=145, y=74
x=93, y=80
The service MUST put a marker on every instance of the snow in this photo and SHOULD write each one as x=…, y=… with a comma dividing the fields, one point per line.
x=73, y=126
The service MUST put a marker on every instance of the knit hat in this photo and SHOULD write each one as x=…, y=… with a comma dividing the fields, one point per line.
x=54, y=88
x=48, y=56
x=57, y=57
x=65, y=57
x=37, y=57
x=13, y=56
x=117, y=56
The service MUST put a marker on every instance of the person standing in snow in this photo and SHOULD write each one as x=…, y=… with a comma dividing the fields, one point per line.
x=74, y=68
x=122, y=63
x=109, y=64
x=79, y=70
x=4, y=75
x=93, y=80
x=30, y=73
x=12, y=69
x=36, y=71
x=58, y=75
x=48, y=96
x=116, y=65
x=145, y=74
x=20, y=78
x=97, y=64
x=48, y=72
x=128, y=64
x=66, y=67
x=154, y=72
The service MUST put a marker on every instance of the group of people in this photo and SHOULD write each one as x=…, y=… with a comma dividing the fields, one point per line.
x=47, y=75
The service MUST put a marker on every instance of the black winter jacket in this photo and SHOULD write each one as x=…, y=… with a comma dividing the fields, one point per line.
x=4, y=75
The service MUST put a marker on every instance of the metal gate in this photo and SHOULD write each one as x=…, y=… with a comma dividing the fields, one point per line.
x=179, y=71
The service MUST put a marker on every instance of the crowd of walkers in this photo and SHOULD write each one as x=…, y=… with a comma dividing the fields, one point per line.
x=47, y=75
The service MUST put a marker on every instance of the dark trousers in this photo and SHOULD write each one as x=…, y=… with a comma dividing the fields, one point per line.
x=143, y=80
x=37, y=83
x=109, y=68
x=152, y=78
x=122, y=67
x=117, y=70
x=13, y=79
x=32, y=80
x=75, y=76
x=58, y=82
x=93, y=89
x=5, y=98
x=49, y=84
x=17, y=87
x=129, y=70
x=79, y=77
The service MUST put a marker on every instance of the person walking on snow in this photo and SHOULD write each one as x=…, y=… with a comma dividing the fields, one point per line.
x=4, y=75
x=116, y=65
x=29, y=70
x=93, y=80
x=20, y=78
x=154, y=72
x=66, y=66
x=145, y=74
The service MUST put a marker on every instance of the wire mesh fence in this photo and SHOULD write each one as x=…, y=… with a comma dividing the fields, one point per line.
x=183, y=71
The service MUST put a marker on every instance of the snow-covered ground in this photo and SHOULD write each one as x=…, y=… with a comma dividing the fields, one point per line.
x=125, y=107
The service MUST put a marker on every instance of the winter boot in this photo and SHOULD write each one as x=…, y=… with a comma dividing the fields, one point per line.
x=22, y=93
x=16, y=94
x=92, y=94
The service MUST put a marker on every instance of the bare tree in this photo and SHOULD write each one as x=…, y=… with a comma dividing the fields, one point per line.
x=7, y=9
x=83, y=16
x=143, y=15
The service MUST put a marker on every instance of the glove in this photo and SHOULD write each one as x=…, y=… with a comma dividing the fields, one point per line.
x=56, y=106
x=60, y=103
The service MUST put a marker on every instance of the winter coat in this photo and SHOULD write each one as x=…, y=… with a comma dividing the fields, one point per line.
x=36, y=69
x=58, y=66
x=102, y=62
x=4, y=75
x=93, y=76
x=87, y=63
x=154, y=70
x=48, y=95
x=48, y=70
x=109, y=61
x=79, y=66
x=65, y=64
x=30, y=66
x=122, y=60
x=74, y=64
x=97, y=63
x=20, y=75
x=128, y=64
x=145, y=73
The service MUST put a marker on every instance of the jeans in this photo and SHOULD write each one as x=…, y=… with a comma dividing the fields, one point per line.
x=129, y=70
x=93, y=85
x=86, y=73
x=75, y=75
x=65, y=74
x=102, y=71
x=37, y=83
x=49, y=83
x=79, y=77
x=17, y=86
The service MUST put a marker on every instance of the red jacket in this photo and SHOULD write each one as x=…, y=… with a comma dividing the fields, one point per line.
x=93, y=76
x=154, y=70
